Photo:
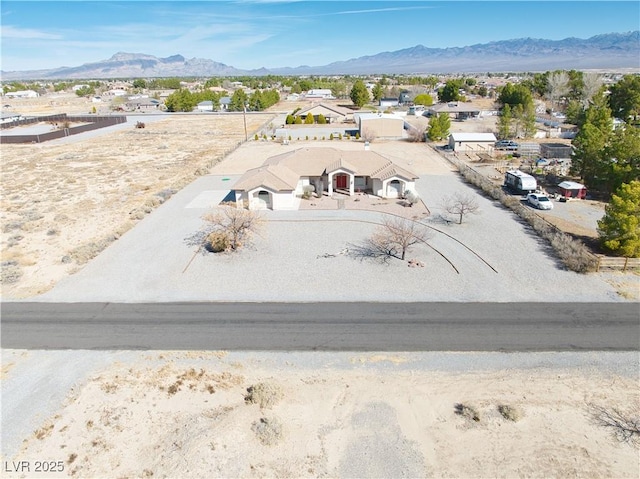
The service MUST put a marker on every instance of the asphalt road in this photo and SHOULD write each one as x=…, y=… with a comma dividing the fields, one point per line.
x=322, y=326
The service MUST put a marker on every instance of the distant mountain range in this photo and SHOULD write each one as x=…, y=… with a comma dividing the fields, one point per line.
x=609, y=51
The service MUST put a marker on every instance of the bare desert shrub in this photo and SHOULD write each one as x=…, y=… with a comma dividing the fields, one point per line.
x=510, y=413
x=11, y=272
x=572, y=252
x=460, y=205
x=267, y=430
x=237, y=224
x=266, y=395
x=416, y=134
x=393, y=239
x=467, y=412
x=624, y=425
x=84, y=253
x=12, y=226
x=14, y=240
x=217, y=242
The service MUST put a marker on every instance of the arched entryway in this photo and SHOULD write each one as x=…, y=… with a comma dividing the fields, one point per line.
x=394, y=189
x=262, y=200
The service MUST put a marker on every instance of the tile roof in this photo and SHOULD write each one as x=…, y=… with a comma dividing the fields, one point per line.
x=282, y=172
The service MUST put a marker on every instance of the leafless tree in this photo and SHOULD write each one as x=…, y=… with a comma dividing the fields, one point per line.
x=416, y=134
x=557, y=86
x=592, y=84
x=235, y=224
x=460, y=204
x=392, y=239
x=368, y=135
x=624, y=426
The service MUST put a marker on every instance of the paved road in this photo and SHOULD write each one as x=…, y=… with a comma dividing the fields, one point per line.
x=323, y=326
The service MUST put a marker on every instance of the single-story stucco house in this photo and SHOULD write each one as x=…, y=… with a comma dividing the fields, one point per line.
x=477, y=142
x=332, y=113
x=281, y=179
x=461, y=111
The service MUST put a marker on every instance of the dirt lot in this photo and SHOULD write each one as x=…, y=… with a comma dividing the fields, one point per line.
x=213, y=414
x=63, y=203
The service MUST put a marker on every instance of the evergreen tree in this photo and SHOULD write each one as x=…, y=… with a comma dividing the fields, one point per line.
x=619, y=229
x=359, y=94
x=450, y=91
x=504, y=123
x=309, y=119
x=588, y=160
x=625, y=98
x=439, y=127
x=377, y=92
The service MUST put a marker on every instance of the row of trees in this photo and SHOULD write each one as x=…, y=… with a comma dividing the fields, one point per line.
x=185, y=100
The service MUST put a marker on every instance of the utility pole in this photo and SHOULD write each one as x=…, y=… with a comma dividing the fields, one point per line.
x=244, y=116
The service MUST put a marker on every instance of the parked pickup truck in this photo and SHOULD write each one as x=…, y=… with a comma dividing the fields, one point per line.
x=506, y=145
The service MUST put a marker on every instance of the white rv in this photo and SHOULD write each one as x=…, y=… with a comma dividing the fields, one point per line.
x=520, y=182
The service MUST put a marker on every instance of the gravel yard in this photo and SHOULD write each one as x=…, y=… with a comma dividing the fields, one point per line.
x=303, y=255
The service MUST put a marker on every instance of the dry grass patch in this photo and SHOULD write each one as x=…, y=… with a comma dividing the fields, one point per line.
x=468, y=412
x=266, y=395
x=267, y=430
x=84, y=191
x=510, y=413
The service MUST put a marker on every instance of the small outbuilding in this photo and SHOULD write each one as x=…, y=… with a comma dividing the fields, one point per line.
x=206, y=105
x=476, y=142
x=571, y=189
x=380, y=125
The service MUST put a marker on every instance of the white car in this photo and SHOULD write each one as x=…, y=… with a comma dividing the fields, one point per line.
x=541, y=202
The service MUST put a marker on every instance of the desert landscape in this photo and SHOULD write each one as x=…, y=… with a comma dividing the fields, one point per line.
x=64, y=201
x=217, y=414
x=203, y=414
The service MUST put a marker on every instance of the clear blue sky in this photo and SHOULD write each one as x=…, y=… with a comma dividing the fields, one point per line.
x=275, y=33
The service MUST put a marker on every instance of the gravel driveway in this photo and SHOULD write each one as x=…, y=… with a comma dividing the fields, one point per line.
x=300, y=256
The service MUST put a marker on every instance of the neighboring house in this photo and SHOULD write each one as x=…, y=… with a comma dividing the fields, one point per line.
x=380, y=125
x=389, y=102
x=319, y=93
x=142, y=104
x=483, y=142
x=206, y=105
x=79, y=87
x=460, y=111
x=10, y=117
x=115, y=92
x=405, y=98
x=225, y=101
x=332, y=113
x=22, y=94
x=281, y=179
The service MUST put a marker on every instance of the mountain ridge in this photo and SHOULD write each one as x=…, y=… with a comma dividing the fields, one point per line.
x=603, y=51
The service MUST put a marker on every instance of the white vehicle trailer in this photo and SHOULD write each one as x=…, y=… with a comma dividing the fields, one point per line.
x=520, y=182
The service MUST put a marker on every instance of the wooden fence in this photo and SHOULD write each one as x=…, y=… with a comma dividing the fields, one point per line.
x=602, y=262
x=93, y=123
x=624, y=264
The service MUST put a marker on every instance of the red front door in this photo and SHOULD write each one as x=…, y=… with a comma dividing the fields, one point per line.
x=341, y=181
